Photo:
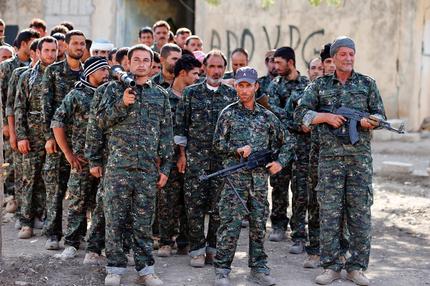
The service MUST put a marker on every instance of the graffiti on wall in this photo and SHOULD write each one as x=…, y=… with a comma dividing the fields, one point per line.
x=306, y=45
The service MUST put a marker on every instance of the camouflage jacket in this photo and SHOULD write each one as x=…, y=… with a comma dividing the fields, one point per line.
x=74, y=112
x=57, y=81
x=139, y=133
x=229, y=75
x=174, y=101
x=359, y=92
x=6, y=69
x=28, y=107
x=159, y=80
x=264, y=83
x=196, y=118
x=259, y=128
x=13, y=89
x=96, y=137
x=281, y=89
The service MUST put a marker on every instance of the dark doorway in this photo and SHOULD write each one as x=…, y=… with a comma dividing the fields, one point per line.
x=140, y=13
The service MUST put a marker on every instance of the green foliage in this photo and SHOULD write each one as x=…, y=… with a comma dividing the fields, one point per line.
x=329, y=2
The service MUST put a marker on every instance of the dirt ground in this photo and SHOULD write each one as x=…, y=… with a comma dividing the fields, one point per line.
x=400, y=246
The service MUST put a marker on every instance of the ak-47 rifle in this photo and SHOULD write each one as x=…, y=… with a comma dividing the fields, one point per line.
x=255, y=160
x=354, y=116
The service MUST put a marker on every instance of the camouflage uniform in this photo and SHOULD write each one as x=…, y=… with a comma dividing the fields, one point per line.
x=81, y=187
x=300, y=165
x=171, y=209
x=14, y=180
x=313, y=248
x=159, y=80
x=229, y=75
x=279, y=91
x=6, y=69
x=28, y=124
x=96, y=140
x=345, y=170
x=264, y=83
x=196, y=118
x=259, y=128
x=57, y=81
x=95, y=143
x=139, y=134
x=155, y=48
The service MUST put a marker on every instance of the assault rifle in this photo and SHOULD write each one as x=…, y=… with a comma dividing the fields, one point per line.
x=122, y=76
x=354, y=116
x=255, y=160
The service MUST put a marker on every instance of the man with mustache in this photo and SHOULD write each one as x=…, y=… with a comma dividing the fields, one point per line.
x=58, y=80
x=161, y=31
x=345, y=169
x=196, y=117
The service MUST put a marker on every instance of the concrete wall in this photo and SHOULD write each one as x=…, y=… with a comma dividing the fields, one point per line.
x=388, y=35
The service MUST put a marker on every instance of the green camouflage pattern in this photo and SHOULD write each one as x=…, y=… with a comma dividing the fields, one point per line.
x=196, y=118
x=259, y=128
x=345, y=170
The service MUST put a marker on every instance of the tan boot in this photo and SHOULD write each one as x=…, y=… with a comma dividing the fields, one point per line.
x=198, y=261
x=92, y=258
x=149, y=280
x=312, y=261
x=165, y=251
x=112, y=280
x=327, y=277
x=358, y=277
x=25, y=233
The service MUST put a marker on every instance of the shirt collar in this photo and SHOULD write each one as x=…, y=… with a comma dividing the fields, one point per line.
x=352, y=77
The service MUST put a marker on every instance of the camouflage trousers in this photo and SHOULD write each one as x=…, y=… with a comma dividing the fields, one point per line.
x=345, y=187
x=280, y=183
x=96, y=233
x=17, y=188
x=201, y=198
x=56, y=172
x=313, y=247
x=33, y=194
x=171, y=211
x=129, y=195
x=81, y=194
x=9, y=156
x=253, y=189
x=299, y=190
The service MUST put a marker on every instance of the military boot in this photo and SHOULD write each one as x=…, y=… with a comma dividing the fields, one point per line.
x=113, y=280
x=327, y=277
x=358, y=277
x=277, y=235
x=149, y=280
x=261, y=278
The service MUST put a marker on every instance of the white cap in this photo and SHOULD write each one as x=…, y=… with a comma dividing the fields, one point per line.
x=101, y=45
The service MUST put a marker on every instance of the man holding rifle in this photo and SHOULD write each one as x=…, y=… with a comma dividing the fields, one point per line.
x=243, y=129
x=345, y=168
x=139, y=123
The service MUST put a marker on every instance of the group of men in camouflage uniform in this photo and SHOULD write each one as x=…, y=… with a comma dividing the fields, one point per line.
x=133, y=154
